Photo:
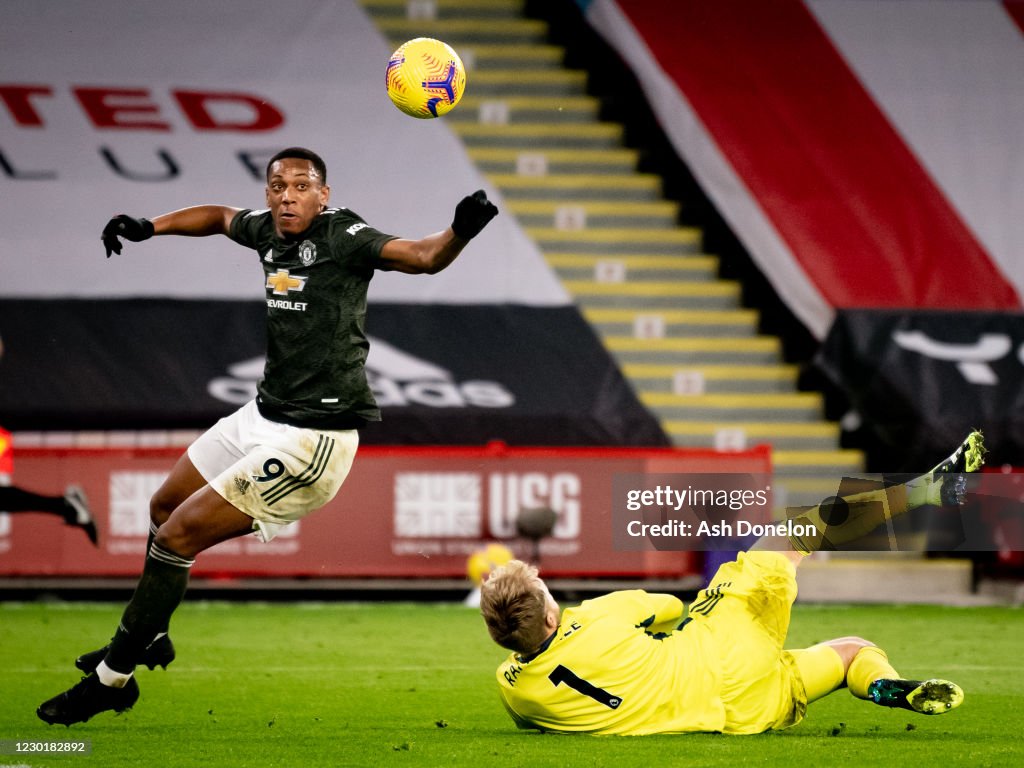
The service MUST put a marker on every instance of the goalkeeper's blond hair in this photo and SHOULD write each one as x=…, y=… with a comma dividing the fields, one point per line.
x=513, y=602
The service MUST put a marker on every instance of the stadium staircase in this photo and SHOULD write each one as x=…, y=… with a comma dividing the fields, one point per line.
x=691, y=351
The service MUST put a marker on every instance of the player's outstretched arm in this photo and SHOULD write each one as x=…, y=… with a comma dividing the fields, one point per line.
x=197, y=221
x=431, y=254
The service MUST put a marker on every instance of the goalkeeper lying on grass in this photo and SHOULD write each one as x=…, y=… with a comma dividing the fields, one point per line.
x=628, y=663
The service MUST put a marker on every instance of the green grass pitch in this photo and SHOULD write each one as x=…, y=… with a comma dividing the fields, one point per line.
x=404, y=684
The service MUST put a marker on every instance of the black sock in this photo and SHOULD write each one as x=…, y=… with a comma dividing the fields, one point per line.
x=153, y=528
x=14, y=499
x=160, y=589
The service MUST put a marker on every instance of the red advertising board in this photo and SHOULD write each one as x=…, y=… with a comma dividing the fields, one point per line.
x=402, y=513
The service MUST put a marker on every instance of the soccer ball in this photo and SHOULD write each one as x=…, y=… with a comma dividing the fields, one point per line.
x=425, y=78
x=483, y=561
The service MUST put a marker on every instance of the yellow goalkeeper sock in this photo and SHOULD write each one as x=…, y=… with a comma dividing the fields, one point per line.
x=868, y=665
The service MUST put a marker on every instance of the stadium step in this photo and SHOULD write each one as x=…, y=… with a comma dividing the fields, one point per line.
x=525, y=109
x=647, y=323
x=529, y=162
x=484, y=57
x=780, y=434
x=444, y=9
x=643, y=282
x=712, y=379
x=628, y=187
x=616, y=241
x=724, y=408
x=636, y=268
x=463, y=31
x=710, y=350
x=508, y=83
x=813, y=463
x=721, y=294
x=857, y=578
x=596, y=214
x=625, y=254
x=540, y=137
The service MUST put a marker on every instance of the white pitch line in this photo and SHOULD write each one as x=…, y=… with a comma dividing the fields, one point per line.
x=188, y=670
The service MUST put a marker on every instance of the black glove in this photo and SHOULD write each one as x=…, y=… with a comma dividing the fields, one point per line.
x=135, y=230
x=472, y=214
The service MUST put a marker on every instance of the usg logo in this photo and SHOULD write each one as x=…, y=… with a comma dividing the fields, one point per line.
x=511, y=492
x=396, y=377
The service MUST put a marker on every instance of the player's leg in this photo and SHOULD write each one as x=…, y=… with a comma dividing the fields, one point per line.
x=180, y=484
x=870, y=676
x=746, y=611
x=72, y=507
x=842, y=520
x=823, y=667
x=78, y=513
x=782, y=545
x=15, y=499
x=183, y=481
x=865, y=669
x=283, y=473
x=262, y=477
x=203, y=520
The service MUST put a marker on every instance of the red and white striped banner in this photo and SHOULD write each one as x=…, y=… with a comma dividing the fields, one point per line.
x=868, y=154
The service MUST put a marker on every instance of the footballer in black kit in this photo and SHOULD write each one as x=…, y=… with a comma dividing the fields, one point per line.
x=316, y=312
x=286, y=453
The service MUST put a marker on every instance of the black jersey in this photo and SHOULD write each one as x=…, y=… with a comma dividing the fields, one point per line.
x=316, y=309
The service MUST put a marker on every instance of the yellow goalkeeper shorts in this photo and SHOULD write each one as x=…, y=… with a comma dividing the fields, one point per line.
x=746, y=607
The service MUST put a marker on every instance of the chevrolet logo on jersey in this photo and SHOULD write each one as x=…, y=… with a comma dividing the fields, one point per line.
x=282, y=282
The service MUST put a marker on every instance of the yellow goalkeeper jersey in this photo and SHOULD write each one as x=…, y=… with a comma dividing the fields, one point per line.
x=618, y=664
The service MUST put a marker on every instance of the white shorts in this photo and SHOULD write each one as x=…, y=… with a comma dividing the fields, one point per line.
x=276, y=473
